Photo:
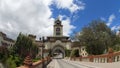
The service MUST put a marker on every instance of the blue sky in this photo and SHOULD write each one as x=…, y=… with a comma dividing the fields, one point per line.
x=37, y=16
x=94, y=9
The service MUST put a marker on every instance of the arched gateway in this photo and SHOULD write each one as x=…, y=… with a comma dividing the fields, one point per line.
x=58, y=51
x=58, y=43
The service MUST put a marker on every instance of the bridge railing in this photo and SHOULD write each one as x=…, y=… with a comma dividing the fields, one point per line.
x=105, y=58
x=37, y=64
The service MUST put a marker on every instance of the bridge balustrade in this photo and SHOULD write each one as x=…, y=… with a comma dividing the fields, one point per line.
x=104, y=58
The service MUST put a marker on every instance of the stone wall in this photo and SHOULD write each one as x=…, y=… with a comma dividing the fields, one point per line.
x=50, y=45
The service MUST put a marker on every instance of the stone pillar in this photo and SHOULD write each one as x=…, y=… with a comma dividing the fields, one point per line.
x=119, y=58
x=91, y=58
x=110, y=55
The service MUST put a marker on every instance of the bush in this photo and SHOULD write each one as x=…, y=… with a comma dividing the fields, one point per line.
x=67, y=53
x=36, y=59
x=75, y=53
x=10, y=63
x=4, y=53
x=13, y=62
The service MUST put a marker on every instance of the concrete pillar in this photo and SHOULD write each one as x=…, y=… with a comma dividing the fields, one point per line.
x=110, y=59
x=119, y=58
x=105, y=60
x=115, y=58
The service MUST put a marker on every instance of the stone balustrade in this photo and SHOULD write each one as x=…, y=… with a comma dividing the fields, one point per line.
x=37, y=64
x=105, y=58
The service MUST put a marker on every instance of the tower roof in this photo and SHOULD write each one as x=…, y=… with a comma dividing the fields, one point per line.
x=57, y=21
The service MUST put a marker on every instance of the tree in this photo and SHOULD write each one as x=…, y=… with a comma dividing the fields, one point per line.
x=24, y=46
x=97, y=37
x=67, y=52
x=4, y=53
x=116, y=47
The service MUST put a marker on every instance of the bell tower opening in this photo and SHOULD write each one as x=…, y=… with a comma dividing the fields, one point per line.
x=58, y=28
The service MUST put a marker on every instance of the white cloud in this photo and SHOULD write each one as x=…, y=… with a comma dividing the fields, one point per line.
x=25, y=16
x=102, y=18
x=69, y=4
x=110, y=19
x=67, y=28
x=119, y=10
x=30, y=16
x=116, y=27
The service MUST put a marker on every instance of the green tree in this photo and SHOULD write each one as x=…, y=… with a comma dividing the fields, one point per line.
x=116, y=47
x=74, y=53
x=67, y=52
x=97, y=37
x=10, y=63
x=25, y=46
x=4, y=53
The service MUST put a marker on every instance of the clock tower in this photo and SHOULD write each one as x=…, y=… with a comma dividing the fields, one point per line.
x=58, y=28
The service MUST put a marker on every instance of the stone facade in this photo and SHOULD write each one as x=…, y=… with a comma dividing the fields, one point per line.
x=64, y=42
x=58, y=41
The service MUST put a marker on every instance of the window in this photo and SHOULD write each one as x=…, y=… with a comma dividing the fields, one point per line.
x=57, y=33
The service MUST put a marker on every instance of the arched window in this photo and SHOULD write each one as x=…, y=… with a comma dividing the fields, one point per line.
x=57, y=33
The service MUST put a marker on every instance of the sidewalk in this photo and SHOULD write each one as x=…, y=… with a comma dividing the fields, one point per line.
x=101, y=65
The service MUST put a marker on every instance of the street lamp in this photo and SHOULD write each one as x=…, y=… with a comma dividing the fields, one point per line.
x=43, y=40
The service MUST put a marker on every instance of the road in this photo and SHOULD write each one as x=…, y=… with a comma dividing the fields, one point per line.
x=62, y=63
x=58, y=56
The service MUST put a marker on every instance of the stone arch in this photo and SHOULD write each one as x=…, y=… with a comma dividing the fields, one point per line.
x=58, y=47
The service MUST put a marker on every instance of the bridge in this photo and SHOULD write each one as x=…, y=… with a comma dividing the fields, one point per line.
x=57, y=44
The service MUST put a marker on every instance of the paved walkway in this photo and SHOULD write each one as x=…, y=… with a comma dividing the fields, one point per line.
x=1, y=66
x=102, y=65
x=53, y=64
x=62, y=63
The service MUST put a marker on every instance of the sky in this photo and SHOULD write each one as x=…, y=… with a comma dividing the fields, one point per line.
x=37, y=16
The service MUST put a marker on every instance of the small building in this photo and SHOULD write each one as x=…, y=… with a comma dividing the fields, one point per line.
x=5, y=41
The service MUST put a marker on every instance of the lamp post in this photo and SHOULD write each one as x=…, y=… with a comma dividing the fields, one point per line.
x=43, y=40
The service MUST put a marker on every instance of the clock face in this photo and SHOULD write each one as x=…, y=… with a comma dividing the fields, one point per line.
x=57, y=29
